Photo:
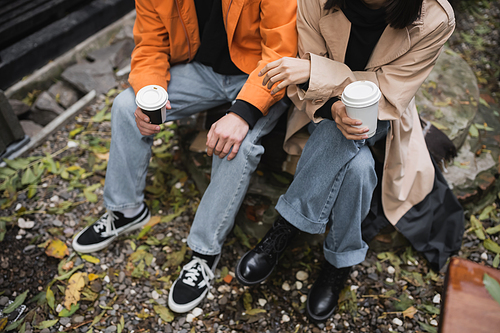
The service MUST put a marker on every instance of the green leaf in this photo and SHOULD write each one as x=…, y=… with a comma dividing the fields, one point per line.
x=477, y=227
x=492, y=286
x=90, y=259
x=164, y=313
x=17, y=302
x=97, y=318
x=47, y=324
x=76, y=131
x=253, y=312
x=473, y=132
x=491, y=245
x=121, y=325
x=89, y=192
x=50, y=298
x=431, y=309
x=241, y=236
x=14, y=325
x=493, y=230
x=66, y=313
x=68, y=274
x=28, y=177
x=427, y=327
x=496, y=261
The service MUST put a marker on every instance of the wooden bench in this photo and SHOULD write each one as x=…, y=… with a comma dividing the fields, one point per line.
x=467, y=305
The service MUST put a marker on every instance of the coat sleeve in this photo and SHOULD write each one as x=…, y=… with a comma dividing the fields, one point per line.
x=151, y=55
x=279, y=39
x=398, y=80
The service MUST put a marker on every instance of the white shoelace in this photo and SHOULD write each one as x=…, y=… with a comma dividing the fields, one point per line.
x=106, y=222
x=193, y=271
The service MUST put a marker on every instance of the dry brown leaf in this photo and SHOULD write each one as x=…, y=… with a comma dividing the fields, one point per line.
x=75, y=284
x=67, y=266
x=410, y=312
x=57, y=249
x=154, y=220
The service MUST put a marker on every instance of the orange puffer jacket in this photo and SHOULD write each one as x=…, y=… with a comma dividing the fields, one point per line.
x=258, y=32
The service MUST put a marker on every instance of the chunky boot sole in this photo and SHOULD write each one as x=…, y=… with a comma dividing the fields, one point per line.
x=244, y=281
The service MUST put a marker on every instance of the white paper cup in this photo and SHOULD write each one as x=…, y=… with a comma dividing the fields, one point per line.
x=152, y=100
x=361, y=102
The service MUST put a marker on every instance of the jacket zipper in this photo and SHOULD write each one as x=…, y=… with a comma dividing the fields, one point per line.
x=185, y=30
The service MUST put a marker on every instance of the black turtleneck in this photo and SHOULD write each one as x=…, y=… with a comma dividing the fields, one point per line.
x=367, y=25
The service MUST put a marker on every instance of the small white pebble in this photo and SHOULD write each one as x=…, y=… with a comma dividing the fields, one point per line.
x=397, y=321
x=210, y=296
x=434, y=322
x=346, y=324
x=18, y=206
x=410, y=263
x=285, y=318
x=59, y=308
x=132, y=292
x=155, y=294
x=391, y=270
x=72, y=144
x=354, y=274
x=301, y=275
x=55, y=198
x=262, y=302
x=197, y=312
x=178, y=185
x=190, y=318
x=389, y=280
x=19, y=237
x=106, y=279
x=104, y=267
x=298, y=285
x=285, y=286
x=303, y=298
x=353, y=287
x=157, y=142
x=437, y=299
x=484, y=256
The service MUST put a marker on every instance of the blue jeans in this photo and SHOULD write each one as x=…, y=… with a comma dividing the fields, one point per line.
x=333, y=186
x=192, y=89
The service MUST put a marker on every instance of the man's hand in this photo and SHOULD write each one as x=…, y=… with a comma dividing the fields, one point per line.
x=227, y=132
x=346, y=124
x=287, y=70
x=143, y=124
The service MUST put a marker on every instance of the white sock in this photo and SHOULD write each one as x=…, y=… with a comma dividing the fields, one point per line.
x=131, y=212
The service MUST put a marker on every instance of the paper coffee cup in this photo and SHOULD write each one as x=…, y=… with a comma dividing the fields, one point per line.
x=361, y=102
x=152, y=100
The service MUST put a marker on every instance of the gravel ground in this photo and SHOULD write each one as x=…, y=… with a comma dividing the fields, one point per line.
x=126, y=285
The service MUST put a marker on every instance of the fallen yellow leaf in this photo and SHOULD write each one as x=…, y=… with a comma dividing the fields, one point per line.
x=57, y=249
x=102, y=156
x=91, y=259
x=75, y=284
x=93, y=276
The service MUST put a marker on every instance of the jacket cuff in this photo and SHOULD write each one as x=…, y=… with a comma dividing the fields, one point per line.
x=246, y=111
x=326, y=110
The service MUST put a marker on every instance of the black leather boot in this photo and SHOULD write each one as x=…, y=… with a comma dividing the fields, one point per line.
x=324, y=294
x=257, y=264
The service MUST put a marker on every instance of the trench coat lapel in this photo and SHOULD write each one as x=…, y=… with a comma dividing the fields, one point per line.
x=392, y=44
x=336, y=28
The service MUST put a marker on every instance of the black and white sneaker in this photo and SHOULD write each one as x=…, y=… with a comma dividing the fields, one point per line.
x=103, y=231
x=192, y=285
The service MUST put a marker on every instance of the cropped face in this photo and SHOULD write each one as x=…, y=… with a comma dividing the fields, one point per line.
x=374, y=4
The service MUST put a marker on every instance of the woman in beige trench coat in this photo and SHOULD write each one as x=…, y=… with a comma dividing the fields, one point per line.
x=394, y=44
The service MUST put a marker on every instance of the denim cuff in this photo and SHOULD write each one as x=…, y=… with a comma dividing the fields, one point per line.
x=295, y=218
x=345, y=259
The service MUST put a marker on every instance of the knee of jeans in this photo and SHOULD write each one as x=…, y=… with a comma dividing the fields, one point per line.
x=362, y=168
x=123, y=106
x=251, y=150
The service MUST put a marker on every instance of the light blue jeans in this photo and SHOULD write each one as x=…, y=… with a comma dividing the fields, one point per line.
x=333, y=186
x=192, y=89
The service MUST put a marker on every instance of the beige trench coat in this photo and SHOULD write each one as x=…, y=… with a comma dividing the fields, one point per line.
x=399, y=64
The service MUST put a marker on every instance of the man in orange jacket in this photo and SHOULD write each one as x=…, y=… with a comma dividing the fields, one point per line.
x=204, y=53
